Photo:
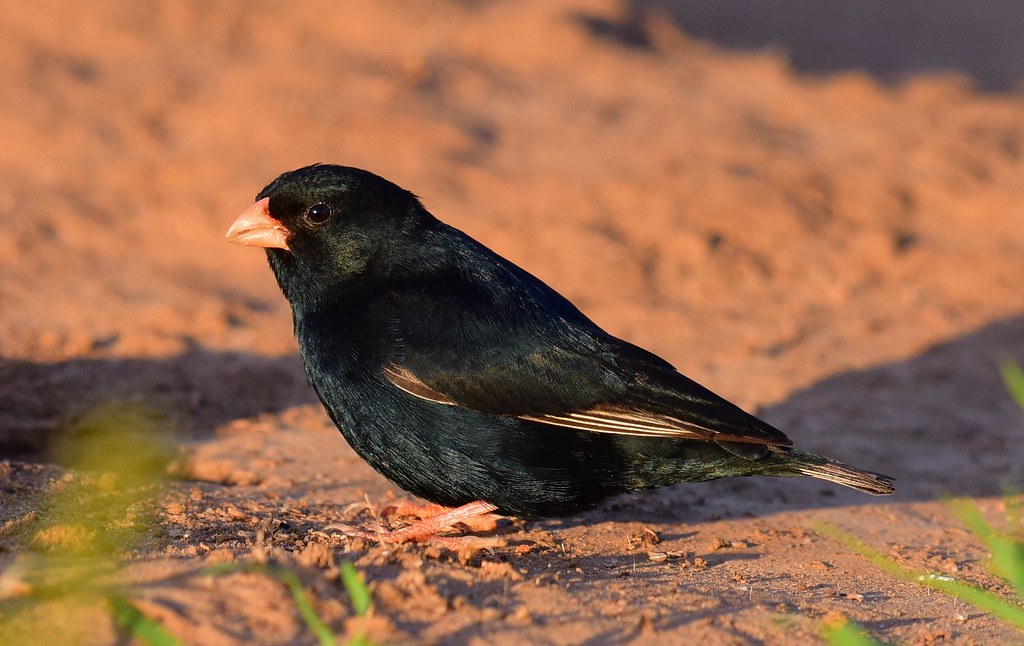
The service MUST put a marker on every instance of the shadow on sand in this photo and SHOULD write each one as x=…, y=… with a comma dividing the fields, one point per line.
x=890, y=40
x=940, y=422
x=198, y=391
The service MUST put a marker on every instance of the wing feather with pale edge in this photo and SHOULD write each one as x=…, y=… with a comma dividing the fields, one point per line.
x=619, y=420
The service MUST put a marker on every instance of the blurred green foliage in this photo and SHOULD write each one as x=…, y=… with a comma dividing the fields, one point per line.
x=1006, y=548
x=91, y=520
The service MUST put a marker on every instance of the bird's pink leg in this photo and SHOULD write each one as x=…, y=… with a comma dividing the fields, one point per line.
x=470, y=514
x=443, y=518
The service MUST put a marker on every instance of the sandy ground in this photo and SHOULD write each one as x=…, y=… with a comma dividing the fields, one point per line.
x=838, y=250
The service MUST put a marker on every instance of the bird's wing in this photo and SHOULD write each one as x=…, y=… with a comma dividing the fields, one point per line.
x=690, y=412
x=542, y=361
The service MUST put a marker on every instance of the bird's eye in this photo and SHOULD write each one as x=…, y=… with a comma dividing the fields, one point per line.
x=318, y=213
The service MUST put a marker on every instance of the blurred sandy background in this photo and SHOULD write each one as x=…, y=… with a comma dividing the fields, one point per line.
x=816, y=209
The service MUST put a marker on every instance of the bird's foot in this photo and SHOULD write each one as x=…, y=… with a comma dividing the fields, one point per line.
x=477, y=516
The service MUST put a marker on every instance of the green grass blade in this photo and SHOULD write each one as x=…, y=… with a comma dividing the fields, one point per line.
x=359, y=640
x=319, y=628
x=226, y=568
x=1013, y=377
x=131, y=620
x=848, y=633
x=977, y=597
x=1007, y=555
x=357, y=590
x=288, y=578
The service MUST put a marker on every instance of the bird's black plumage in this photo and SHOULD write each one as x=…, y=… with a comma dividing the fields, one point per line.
x=462, y=377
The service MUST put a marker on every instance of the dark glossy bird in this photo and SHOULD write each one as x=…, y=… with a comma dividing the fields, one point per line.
x=468, y=381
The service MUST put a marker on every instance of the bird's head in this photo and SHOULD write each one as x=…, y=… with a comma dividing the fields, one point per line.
x=323, y=226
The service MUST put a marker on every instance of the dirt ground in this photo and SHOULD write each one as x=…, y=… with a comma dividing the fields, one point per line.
x=834, y=244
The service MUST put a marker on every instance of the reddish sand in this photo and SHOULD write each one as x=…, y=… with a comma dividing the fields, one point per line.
x=841, y=255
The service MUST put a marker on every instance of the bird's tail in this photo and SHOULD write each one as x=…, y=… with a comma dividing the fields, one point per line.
x=800, y=463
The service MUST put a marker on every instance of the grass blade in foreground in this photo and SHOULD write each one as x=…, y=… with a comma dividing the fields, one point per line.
x=357, y=590
x=973, y=595
x=361, y=600
x=319, y=628
x=1013, y=377
x=1007, y=555
x=848, y=633
x=131, y=620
